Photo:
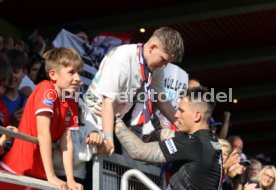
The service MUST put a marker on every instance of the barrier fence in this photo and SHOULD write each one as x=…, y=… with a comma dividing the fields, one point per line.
x=107, y=171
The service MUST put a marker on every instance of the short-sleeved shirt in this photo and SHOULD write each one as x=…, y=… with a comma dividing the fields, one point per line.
x=4, y=114
x=119, y=77
x=196, y=160
x=24, y=157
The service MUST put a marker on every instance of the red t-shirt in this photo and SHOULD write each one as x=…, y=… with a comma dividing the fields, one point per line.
x=4, y=114
x=24, y=157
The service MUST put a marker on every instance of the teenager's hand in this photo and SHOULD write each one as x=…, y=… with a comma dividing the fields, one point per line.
x=73, y=185
x=61, y=185
x=94, y=138
x=105, y=148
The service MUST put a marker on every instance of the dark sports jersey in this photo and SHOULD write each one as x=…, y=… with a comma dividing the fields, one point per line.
x=196, y=160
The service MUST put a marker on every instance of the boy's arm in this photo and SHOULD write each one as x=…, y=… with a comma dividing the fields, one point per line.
x=67, y=149
x=108, y=119
x=45, y=146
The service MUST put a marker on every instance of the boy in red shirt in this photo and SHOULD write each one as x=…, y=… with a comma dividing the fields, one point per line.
x=47, y=116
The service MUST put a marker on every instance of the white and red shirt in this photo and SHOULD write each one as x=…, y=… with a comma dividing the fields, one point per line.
x=24, y=157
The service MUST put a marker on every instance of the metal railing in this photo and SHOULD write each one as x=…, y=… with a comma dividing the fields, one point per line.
x=108, y=172
x=139, y=175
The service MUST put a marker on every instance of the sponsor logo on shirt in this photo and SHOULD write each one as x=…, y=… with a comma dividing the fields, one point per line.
x=48, y=102
x=171, y=146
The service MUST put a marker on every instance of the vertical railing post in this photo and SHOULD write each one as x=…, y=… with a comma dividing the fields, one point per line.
x=97, y=172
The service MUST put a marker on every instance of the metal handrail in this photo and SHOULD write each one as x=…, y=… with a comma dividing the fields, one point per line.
x=139, y=175
x=18, y=135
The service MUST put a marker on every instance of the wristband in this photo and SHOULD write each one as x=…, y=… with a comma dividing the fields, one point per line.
x=108, y=135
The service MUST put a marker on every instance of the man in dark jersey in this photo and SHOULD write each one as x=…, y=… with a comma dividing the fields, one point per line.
x=193, y=150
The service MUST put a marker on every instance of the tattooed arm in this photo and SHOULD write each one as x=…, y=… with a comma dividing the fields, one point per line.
x=136, y=149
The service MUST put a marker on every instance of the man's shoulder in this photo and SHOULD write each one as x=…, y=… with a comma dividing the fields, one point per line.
x=184, y=137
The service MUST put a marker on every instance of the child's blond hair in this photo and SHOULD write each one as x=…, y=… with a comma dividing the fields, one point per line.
x=57, y=57
x=225, y=143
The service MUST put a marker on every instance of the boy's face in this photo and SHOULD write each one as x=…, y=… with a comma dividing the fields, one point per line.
x=3, y=87
x=17, y=76
x=157, y=57
x=67, y=78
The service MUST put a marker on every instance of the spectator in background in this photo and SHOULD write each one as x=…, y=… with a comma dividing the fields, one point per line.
x=214, y=125
x=221, y=129
x=20, y=45
x=8, y=43
x=266, y=178
x=14, y=100
x=36, y=43
x=5, y=78
x=226, y=124
x=230, y=158
x=253, y=171
x=28, y=83
x=236, y=142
